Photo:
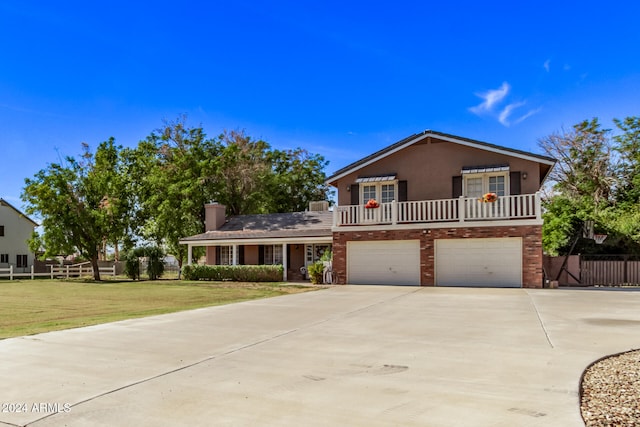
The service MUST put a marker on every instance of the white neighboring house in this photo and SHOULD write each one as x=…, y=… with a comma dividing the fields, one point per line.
x=15, y=229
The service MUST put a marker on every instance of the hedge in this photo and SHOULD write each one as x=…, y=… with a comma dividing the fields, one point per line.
x=237, y=273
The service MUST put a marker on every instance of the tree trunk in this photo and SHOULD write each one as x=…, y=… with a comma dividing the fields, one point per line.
x=96, y=268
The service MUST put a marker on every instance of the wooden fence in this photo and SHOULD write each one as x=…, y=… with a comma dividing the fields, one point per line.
x=610, y=272
x=57, y=271
x=594, y=270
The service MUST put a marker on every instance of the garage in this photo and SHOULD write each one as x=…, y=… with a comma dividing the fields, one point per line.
x=388, y=262
x=492, y=262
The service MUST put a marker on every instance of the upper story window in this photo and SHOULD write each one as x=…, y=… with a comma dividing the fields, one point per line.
x=1, y=230
x=369, y=192
x=381, y=188
x=482, y=180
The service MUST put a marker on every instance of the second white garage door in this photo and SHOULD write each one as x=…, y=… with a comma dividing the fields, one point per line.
x=389, y=262
x=479, y=262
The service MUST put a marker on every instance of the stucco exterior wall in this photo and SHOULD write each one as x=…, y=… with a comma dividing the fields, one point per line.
x=428, y=168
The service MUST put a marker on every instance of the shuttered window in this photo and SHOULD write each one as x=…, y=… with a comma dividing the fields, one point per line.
x=226, y=255
x=273, y=254
x=388, y=193
x=475, y=185
x=368, y=192
x=497, y=185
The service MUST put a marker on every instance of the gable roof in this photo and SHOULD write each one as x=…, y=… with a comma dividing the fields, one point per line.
x=3, y=202
x=410, y=140
x=267, y=226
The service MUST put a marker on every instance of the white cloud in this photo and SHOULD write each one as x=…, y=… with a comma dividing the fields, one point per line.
x=503, y=117
x=529, y=114
x=491, y=98
x=546, y=65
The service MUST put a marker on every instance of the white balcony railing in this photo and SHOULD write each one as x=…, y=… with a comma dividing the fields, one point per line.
x=523, y=206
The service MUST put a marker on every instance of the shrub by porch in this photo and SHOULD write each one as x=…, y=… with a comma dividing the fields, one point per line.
x=237, y=273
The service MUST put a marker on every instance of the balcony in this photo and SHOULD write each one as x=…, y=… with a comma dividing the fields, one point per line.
x=523, y=206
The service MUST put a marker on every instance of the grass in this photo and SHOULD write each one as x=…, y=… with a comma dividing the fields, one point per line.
x=34, y=306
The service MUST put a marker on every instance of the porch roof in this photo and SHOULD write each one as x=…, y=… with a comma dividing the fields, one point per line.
x=278, y=226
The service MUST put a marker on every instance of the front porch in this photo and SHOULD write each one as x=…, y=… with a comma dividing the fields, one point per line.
x=292, y=253
x=516, y=207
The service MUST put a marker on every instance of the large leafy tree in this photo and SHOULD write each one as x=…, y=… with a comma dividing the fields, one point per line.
x=177, y=170
x=243, y=171
x=81, y=203
x=298, y=178
x=595, y=179
x=172, y=170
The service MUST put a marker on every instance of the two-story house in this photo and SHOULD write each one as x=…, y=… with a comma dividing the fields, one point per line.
x=15, y=229
x=432, y=225
x=413, y=213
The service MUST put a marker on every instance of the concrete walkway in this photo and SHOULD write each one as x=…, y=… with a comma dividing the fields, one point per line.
x=349, y=355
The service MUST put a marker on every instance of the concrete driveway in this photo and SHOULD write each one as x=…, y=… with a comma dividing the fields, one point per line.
x=350, y=355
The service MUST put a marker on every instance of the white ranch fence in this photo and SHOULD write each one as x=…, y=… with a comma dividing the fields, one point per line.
x=58, y=271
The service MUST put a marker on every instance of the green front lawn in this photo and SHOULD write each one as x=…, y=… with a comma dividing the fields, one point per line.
x=34, y=306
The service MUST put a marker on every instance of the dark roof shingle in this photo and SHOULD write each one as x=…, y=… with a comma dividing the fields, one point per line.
x=292, y=224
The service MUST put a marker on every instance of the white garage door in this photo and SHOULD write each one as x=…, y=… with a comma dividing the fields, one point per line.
x=479, y=262
x=391, y=262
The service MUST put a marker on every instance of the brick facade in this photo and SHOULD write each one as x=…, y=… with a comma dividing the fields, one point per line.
x=531, y=251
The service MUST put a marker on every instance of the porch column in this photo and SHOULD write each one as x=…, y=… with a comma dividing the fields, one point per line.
x=538, y=206
x=461, y=208
x=284, y=262
x=394, y=212
x=189, y=253
x=234, y=257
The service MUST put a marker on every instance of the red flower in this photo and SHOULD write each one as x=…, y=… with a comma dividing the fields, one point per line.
x=371, y=204
x=489, y=198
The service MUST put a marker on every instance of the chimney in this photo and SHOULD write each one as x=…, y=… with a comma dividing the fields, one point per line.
x=214, y=216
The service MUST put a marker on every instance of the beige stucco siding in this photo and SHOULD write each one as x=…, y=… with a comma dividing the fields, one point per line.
x=428, y=168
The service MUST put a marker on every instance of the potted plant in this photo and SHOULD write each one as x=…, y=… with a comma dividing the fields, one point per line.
x=372, y=204
x=489, y=198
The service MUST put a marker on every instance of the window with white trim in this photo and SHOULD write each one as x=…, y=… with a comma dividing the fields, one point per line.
x=387, y=193
x=273, y=254
x=4, y=258
x=383, y=192
x=226, y=255
x=368, y=193
x=497, y=185
x=476, y=185
x=473, y=187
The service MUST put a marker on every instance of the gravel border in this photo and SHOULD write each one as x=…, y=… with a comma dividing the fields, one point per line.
x=610, y=391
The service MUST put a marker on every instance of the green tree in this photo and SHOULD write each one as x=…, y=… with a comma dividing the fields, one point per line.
x=172, y=170
x=243, y=173
x=596, y=178
x=581, y=182
x=80, y=204
x=298, y=178
x=177, y=170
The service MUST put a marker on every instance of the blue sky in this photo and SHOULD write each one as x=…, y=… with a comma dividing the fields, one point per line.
x=342, y=79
